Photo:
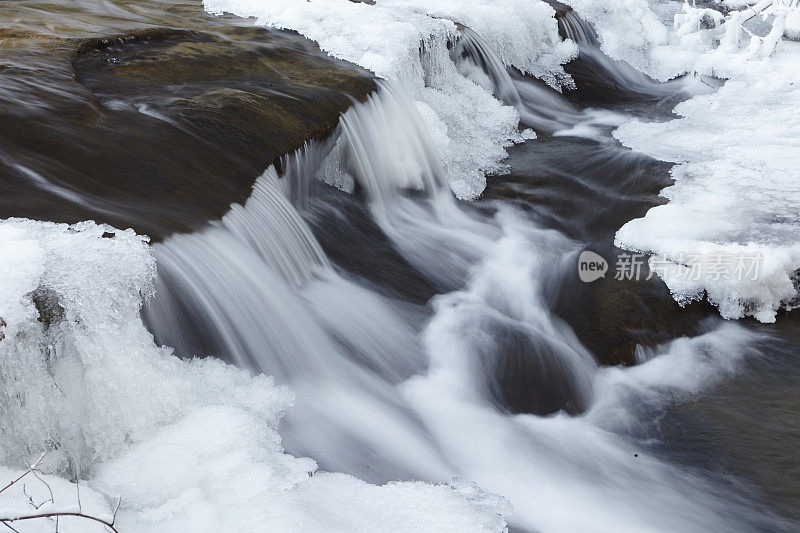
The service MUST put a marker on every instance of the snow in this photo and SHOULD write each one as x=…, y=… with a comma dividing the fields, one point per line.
x=522, y=34
x=406, y=42
x=735, y=194
x=40, y=488
x=792, y=30
x=188, y=444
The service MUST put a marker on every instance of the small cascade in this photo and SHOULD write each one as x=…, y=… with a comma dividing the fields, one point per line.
x=607, y=79
x=384, y=147
x=539, y=106
x=256, y=287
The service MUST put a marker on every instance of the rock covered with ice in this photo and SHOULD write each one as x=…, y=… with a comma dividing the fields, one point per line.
x=406, y=41
x=190, y=445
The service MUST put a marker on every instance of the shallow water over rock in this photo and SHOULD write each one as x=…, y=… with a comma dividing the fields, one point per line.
x=154, y=115
x=425, y=338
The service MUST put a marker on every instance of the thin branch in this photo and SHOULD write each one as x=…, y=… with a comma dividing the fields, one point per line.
x=30, y=498
x=114, y=517
x=106, y=523
x=30, y=469
x=36, y=473
x=9, y=527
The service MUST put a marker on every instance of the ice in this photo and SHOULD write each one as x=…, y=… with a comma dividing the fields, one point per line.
x=406, y=41
x=523, y=34
x=792, y=30
x=215, y=470
x=735, y=194
x=628, y=31
x=189, y=445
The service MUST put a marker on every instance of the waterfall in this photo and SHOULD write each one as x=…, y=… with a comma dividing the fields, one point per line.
x=617, y=79
x=388, y=389
x=539, y=106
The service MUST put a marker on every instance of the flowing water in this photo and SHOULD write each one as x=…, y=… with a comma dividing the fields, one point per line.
x=482, y=382
x=427, y=338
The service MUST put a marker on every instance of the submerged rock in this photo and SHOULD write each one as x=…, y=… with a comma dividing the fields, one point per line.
x=587, y=198
x=612, y=317
x=162, y=125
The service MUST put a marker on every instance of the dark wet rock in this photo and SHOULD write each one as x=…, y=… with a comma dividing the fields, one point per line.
x=561, y=8
x=525, y=371
x=162, y=124
x=611, y=317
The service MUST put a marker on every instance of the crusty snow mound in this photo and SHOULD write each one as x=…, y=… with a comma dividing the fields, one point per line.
x=189, y=445
x=734, y=199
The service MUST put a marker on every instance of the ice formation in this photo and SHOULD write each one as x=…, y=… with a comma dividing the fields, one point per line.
x=735, y=195
x=406, y=41
x=188, y=444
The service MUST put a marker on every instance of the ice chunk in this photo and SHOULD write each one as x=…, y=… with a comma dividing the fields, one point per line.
x=735, y=196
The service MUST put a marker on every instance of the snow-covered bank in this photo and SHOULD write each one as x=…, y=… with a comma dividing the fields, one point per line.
x=736, y=190
x=189, y=445
x=406, y=41
x=731, y=229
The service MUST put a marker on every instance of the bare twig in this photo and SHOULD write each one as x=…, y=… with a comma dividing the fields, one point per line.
x=30, y=498
x=9, y=527
x=30, y=469
x=114, y=517
x=58, y=514
x=36, y=473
